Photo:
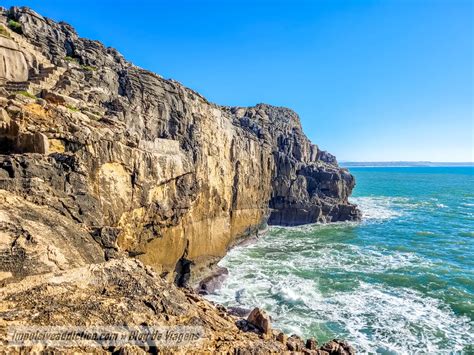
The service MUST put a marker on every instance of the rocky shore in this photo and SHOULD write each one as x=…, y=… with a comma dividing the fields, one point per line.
x=106, y=167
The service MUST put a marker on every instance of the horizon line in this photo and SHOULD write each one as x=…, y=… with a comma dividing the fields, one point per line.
x=405, y=161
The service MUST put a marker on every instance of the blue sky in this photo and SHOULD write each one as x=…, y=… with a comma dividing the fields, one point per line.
x=371, y=80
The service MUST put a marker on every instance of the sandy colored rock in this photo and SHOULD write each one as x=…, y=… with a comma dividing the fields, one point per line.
x=36, y=239
x=261, y=320
x=338, y=346
x=13, y=64
x=123, y=291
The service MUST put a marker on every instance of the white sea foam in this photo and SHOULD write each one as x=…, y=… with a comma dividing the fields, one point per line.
x=314, y=253
x=398, y=320
x=350, y=258
x=379, y=208
x=373, y=317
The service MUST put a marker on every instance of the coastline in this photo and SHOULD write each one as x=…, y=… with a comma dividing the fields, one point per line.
x=387, y=270
x=245, y=320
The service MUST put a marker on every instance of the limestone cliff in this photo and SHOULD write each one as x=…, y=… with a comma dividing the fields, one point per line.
x=101, y=161
x=144, y=165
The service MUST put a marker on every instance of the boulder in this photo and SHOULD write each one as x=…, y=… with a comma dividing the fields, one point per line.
x=311, y=344
x=260, y=319
x=295, y=343
x=339, y=347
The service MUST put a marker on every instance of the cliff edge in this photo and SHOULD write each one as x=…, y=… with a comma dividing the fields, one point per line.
x=145, y=165
x=101, y=160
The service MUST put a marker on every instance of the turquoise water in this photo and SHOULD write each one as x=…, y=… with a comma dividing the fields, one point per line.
x=400, y=281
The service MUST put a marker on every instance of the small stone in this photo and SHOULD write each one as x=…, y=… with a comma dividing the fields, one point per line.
x=311, y=344
x=282, y=338
x=295, y=343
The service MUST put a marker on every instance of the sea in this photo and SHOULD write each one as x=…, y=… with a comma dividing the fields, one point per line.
x=400, y=281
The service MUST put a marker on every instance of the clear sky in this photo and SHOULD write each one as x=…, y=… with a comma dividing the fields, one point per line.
x=371, y=80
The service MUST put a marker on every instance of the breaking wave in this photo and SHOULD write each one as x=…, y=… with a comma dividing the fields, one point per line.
x=379, y=208
x=401, y=281
x=375, y=318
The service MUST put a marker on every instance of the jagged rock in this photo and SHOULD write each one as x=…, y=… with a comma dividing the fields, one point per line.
x=213, y=282
x=261, y=320
x=295, y=343
x=56, y=98
x=311, y=344
x=246, y=326
x=122, y=291
x=339, y=347
x=282, y=338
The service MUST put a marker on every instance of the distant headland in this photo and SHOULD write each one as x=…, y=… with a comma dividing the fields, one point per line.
x=403, y=164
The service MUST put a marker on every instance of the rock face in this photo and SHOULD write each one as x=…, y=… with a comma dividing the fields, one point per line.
x=307, y=185
x=147, y=166
x=37, y=240
x=13, y=66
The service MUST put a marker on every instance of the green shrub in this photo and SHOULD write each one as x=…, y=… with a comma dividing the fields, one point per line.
x=72, y=108
x=88, y=68
x=27, y=94
x=71, y=59
x=15, y=26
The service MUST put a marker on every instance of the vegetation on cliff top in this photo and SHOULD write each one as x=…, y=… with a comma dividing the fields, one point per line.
x=15, y=26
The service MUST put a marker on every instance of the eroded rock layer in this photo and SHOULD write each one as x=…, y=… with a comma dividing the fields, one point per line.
x=145, y=165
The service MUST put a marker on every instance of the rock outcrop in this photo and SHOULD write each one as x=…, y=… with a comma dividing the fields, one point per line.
x=125, y=292
x=101, y=160
x=13, y=66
